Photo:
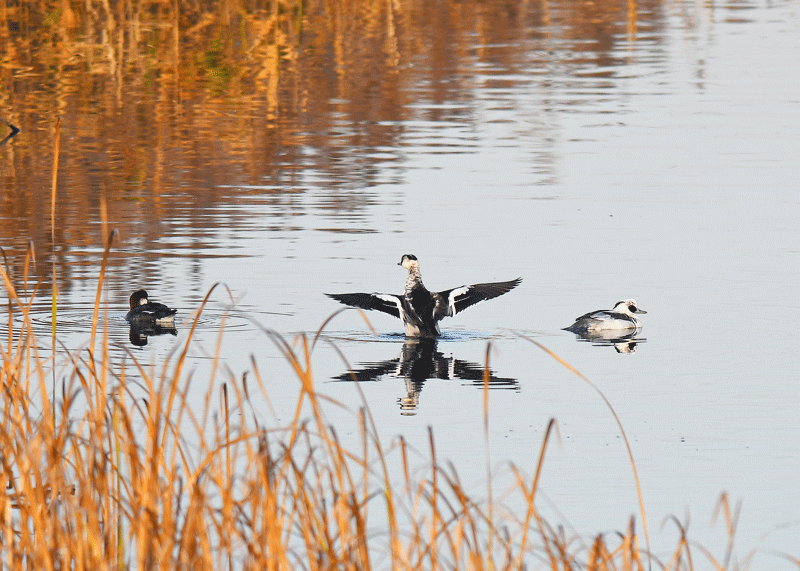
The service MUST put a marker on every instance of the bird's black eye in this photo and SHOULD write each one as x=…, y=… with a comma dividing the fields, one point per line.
x=632, y=308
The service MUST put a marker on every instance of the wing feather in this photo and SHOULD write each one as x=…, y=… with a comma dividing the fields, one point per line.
x=460, y=298
x=598, y=314
x=380, y=302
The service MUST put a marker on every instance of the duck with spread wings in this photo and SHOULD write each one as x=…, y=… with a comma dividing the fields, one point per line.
x=421, y=309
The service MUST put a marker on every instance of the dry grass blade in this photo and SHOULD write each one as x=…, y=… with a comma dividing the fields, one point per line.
x=56, y=153
x=530, y=496
x=619, y=424
x=487, y=459
x=129, y=474
x=10, y=302
x=100, y=280
x=731, y=520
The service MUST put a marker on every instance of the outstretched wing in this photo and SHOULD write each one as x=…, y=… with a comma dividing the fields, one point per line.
x=460, y=298
x=381, y=302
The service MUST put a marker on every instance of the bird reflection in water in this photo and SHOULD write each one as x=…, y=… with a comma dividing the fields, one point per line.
x=419, y=361
x=141, y=331
x=626, y=343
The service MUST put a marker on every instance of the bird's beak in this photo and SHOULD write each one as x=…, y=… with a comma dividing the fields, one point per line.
x=640, y=311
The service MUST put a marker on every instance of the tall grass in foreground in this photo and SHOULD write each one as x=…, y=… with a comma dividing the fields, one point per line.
x=102, y=475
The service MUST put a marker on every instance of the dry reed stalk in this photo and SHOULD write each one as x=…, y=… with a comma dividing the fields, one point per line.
x=433, y=552
x=56, y=153
x=621, y=429
x=109, y=481
x=486, y=378
x=10, y=306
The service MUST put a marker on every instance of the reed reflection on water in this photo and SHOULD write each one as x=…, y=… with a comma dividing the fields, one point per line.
x=183, y=117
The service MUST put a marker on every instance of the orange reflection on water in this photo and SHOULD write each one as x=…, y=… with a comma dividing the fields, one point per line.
x=171, y=111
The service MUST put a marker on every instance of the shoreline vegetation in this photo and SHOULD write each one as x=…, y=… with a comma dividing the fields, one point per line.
x=100, y=474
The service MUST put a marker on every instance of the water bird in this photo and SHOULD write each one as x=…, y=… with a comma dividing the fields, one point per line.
x=420, y=309
x=622, y=317
x=144, y=311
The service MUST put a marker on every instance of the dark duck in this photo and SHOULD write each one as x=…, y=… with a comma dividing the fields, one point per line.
x=145, y=312
x=422, y=310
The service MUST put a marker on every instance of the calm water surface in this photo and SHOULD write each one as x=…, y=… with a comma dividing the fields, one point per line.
x=649, y=155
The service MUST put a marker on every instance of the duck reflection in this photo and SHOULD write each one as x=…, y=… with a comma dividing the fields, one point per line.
x=419, y=361
x=621, y=343
x=141, y=331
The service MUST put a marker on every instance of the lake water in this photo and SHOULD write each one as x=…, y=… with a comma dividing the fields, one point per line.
x=649, y=152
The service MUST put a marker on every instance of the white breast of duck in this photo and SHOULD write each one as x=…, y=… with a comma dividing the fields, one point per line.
x=419, y=307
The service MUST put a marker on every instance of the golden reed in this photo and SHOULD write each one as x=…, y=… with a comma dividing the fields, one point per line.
x=99, y=476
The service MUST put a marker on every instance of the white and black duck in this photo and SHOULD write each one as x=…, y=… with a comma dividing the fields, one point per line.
x=145, y=312
x=420, y=309
x=620, y=319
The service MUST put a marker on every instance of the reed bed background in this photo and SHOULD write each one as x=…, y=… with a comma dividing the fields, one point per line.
x=106, y=470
